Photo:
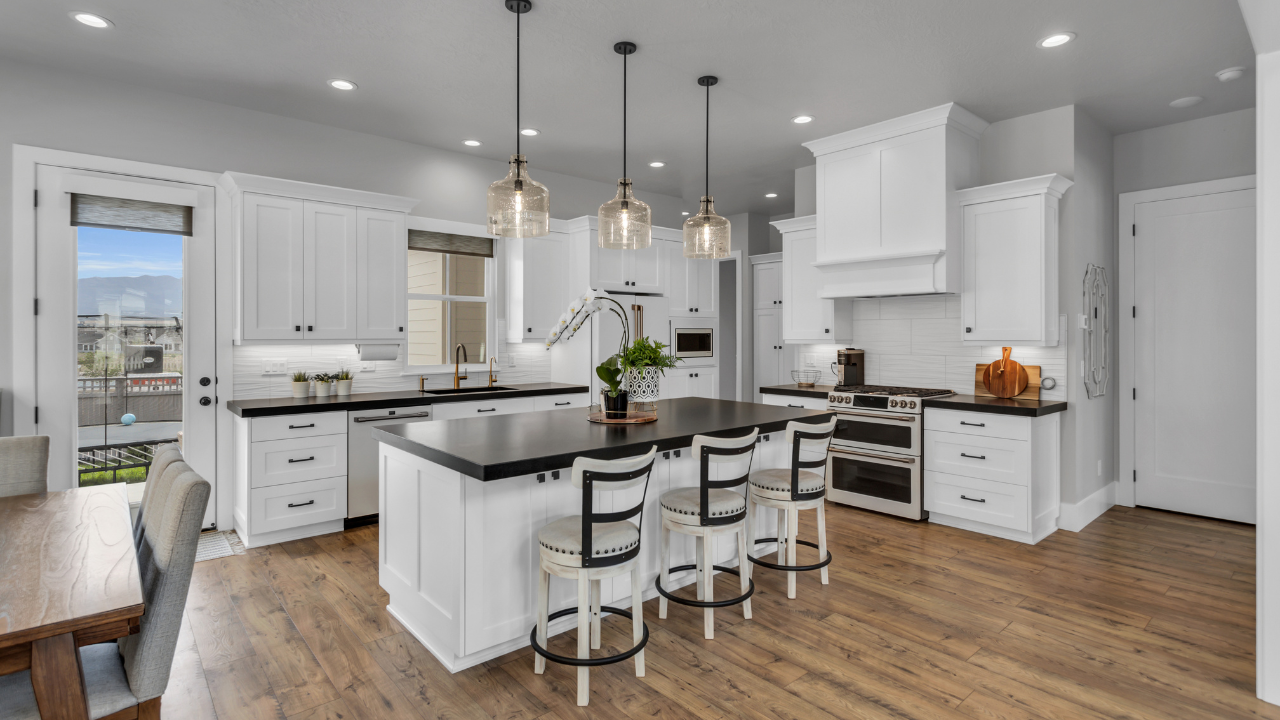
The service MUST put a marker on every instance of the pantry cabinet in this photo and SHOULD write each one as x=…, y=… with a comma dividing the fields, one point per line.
x=318, y=263
x=806, y=316
x=1009, y=292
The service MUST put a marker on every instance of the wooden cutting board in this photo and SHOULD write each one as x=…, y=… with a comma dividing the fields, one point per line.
x=1031, y=392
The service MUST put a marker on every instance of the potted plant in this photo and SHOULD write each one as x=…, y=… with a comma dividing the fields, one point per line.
x=301, y=384
x=642, y=363
x=323, y=385
x=613, y=398
x=343, y=382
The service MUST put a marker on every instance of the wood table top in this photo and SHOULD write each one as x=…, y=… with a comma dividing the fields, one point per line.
x=67, y=561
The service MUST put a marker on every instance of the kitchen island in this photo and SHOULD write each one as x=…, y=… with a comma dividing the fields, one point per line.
x=461, y=503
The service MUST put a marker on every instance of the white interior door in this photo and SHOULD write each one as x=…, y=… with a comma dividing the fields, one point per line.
x=125, y=333
x=1194, y=355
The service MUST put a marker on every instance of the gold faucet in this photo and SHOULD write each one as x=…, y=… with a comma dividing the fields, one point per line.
x=492, y=360
x=456, y=366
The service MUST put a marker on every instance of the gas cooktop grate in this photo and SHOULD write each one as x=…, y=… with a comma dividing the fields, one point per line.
x=888, y=390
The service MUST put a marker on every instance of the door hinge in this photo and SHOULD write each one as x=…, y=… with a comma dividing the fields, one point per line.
x=1135, y=311
x=37, y=408
x=35, y=198
x=35, y=306
x=1135, y=476
x=1135, y=393
x=1135, y=230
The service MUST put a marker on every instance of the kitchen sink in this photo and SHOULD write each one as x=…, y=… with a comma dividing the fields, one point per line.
x=460, y=391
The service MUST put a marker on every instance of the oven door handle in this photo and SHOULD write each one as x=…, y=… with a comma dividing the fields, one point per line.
x=900, y=418
x=904, y=460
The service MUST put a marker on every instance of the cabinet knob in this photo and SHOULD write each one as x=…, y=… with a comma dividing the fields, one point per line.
x=826, y=330
x=690, y=309
x=309, y=329
x=297, y=328
x=968, y=329
x=401, y=328
x=530, y=330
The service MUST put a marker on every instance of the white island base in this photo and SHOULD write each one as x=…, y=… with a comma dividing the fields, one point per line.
x=459, y=556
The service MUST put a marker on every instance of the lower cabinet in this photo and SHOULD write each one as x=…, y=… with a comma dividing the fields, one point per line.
x=690, y=382
x=481, y=408
x=993, y=474
x=811, y=403
x=770, y=351
x=282, y=507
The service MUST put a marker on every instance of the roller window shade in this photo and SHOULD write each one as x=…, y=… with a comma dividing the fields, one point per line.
x=450, y=243
x=121, y=214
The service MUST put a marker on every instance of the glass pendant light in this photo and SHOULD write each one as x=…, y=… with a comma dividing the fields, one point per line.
x=706, y=235
x=519, y=206
x=624, y=221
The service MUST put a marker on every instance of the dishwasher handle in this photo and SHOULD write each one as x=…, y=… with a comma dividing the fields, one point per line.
x=373, y=418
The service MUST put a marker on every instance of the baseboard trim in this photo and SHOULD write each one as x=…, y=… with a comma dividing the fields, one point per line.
x=1076, y=516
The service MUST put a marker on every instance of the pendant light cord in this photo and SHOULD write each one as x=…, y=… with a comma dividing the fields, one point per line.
x=708, y=144
x=518, y=83
x=624, y=116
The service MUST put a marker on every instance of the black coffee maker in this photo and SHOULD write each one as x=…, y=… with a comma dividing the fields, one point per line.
x=849, y=367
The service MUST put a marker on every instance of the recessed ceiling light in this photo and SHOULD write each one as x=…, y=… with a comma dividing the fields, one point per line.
x=528, y=132
x=342, y=85
x=93, y=21
x=771, y=195
x=657, y=163
x=1186, y=102
x=684, y=213
x=802, y=119
x=1231, y=73
x=471, y=143
x=1056, y=40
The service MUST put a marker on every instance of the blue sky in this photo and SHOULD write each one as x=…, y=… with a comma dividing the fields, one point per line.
x=121, y=253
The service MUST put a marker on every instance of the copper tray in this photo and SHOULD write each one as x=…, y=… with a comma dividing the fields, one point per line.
x=633, y=417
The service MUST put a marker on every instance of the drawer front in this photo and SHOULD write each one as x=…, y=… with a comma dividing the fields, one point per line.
x=482, y=408
x=559, y=402
x=976, y=423
x=297, y=504
x=793, y=401
x=279, y=462
x=1006, y=461
x=297, y=426
x=983, y=501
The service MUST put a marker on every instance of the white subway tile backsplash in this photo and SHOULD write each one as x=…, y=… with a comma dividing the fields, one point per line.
x=909, y=308
x=886, y=337
x=866, y=308
x=940, y=337
x=953, y=306
x=920, y=371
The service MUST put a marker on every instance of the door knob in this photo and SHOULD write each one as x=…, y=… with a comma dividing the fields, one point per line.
x=204, y=381
x=206, y=401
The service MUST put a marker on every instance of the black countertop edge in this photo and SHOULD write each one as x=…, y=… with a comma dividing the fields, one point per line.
x=998, y=406
x=817, y=391
x=377, y=401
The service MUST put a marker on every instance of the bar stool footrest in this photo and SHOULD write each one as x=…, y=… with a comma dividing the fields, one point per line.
x=790, y=568
x=588, y=662
x=751, y=589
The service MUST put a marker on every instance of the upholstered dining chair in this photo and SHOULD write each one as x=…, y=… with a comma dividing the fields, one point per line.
x=125, y=679
x=24, y=465
x=157, y=487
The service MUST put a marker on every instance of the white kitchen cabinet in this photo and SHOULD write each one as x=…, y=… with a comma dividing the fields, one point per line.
x=769, y=348
x=538, y=290
x=631, y=271
x=690, y=382
x=806, y=316
x=318, y=263
x=481, y=408
x=794, y=401
x=691, y=284
x=767, y=285
x=887, y=223
x=1009, y=294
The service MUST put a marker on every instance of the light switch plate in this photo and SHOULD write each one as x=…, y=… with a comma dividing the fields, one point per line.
x=366, y=366
x=275, y=366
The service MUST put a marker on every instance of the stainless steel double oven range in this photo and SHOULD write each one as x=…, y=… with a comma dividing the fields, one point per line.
x=876, y=457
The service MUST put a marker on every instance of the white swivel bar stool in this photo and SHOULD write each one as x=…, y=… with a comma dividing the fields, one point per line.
x=790, y=490
x=588, y=548
x=706, y=511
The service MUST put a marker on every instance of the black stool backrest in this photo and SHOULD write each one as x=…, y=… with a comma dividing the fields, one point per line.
x=709, y=450
x=814, y=440
x=610, y=476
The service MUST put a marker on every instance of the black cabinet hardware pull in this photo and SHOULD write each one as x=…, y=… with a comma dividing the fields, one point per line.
x=299, y=427
x=484, y=410
x=563, y=403
x=962, y=497
x=973, y=424
x=313, y=457
x=799, y=406
x=968, y=329
x=309, y=502
x=297, y=328
x=309, y=328
x=974, y=457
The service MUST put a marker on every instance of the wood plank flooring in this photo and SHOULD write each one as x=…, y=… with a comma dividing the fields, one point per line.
x=1145, y=614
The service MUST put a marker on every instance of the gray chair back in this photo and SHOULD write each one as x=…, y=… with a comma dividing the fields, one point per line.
x=166, y=559
x=164, y=456
x=24, y=465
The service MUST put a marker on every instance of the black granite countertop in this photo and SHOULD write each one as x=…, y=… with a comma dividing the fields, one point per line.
x=813, y=391
x=503, y=446
x=999, y=406
x=377, y=401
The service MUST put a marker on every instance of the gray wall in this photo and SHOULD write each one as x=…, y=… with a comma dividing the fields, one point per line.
x=66, y=111
x=1027, y=146
x=1211, y=148
x=806, y=191
x=750, y=233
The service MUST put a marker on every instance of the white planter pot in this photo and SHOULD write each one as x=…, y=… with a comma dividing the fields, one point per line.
x=344, y=387
x=322, y=389
x=642, y=384
x=301, y=389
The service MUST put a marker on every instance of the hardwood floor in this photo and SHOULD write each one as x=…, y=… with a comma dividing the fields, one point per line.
x=1144, y=614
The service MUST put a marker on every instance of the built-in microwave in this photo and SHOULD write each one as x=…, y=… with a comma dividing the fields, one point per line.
x=694, y=342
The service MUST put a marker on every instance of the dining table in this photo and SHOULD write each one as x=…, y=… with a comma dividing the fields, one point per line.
x=68, y=578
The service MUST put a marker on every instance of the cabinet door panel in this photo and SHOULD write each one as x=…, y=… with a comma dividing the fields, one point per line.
x=703, y=286
x=768, y=361
x=1003, y=297
x=805, y=316
x=546, y=293
x=331, y=269
x=502, y=606
x=768, y=285
x=913, y=194
x=644, y=269
x=849, y=203
x=381, y=266
x=608, y=268
x=677, y=280
x=273, y=268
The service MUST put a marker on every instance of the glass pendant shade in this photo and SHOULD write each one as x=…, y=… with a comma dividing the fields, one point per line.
x=519, y=206
x=624, y=221
x=706, y=235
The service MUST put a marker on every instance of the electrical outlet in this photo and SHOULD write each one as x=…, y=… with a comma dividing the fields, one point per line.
x=511, y=359
x=810, y=359
x=366, y=366
x=275, y=366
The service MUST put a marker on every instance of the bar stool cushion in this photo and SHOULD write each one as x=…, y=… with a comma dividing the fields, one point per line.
x=776, y=483
x=682, y=505
x=561, y=541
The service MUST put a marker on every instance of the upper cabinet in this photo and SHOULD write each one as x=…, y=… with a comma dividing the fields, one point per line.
x=887, y=219
x=318, y=263
x=693, y=285
x=628, y=271
x=1010, y=239
x=538, y=285
x=767, y=283
x=807, y=317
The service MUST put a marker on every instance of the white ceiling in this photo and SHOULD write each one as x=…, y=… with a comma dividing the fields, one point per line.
x=436, y=73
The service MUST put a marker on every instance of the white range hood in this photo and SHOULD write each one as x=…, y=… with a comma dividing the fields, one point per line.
x=887, y=222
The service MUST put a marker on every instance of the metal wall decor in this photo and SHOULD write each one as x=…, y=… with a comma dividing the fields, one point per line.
x=1096, y=325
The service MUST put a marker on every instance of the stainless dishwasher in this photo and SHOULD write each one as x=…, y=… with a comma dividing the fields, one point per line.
x=362, y=458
